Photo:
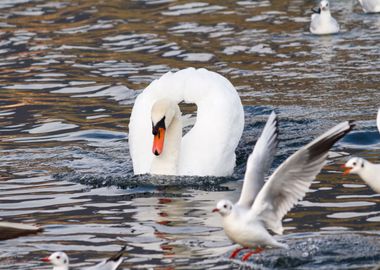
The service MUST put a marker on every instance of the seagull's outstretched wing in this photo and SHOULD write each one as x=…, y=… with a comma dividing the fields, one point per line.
x=110, y=264
x=292, y=179
x=378, y=120
x=259, y=162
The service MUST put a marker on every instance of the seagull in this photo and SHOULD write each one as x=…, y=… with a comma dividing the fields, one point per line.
x=368, y=171
x=370, y=6
x=60, y=261
x=262, y=205
x=322, y=23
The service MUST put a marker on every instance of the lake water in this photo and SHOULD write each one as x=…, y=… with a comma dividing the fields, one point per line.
x=70, y=71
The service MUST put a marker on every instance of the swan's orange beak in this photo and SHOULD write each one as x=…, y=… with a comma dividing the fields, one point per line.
x=347, y=170
x=158, y=141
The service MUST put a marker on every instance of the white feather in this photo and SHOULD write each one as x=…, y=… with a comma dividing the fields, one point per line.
x=259, y=162
x=292, y=179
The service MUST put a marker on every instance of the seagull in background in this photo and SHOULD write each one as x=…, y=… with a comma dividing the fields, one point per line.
x=262, y=205
x=368, y=171
x=60, y=261
x=322, y=23
x=370, y=6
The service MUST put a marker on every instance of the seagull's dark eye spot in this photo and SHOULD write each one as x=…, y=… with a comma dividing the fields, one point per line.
x=225, y=206
x=64, y=261
x=362, y=165
x=354, y=163
x=58, y=257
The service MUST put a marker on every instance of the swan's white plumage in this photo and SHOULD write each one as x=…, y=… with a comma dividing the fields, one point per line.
x=209, y=147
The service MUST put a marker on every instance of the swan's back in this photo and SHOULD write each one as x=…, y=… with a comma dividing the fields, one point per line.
x=209, y=147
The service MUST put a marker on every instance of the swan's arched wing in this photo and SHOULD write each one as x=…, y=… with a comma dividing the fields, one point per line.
x=259, y=162
x=292, y=179
x=378, y=119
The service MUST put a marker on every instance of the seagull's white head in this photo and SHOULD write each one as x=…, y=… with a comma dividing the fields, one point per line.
x=57, y=259
x=354, y=166
x=223, y=207
x=324, y=5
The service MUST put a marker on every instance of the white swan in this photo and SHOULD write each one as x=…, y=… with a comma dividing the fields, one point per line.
x=208, y=149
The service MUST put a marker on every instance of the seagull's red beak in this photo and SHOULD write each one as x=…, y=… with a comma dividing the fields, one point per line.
x=158, y=141
x=215, y=210
x=46, y=259
x=347, y=170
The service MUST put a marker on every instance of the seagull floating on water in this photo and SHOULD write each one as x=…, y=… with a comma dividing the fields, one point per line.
x=60, y=261
x=262, y=205
x=322, y=23
x=370, y=6
x=368, y=171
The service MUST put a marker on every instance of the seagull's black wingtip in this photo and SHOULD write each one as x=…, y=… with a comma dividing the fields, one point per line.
x=118, y=255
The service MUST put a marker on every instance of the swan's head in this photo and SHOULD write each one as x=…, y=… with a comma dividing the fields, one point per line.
x=324, y=5
x=58, y=259
x=162, y=114
x=354, y=166
x=223, y=207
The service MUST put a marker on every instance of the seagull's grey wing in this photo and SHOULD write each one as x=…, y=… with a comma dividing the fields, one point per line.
x=110, y=264
x=259, y=162
x=335, y=23
x=292, y=179
x=314, y=22
x=378, y=119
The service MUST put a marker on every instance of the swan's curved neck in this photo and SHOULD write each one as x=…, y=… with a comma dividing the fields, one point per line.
x=167, y=161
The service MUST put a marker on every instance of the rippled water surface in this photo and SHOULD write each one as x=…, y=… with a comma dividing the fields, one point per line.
x=70, y=71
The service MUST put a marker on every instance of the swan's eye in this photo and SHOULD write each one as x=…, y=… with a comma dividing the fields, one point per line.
x=354, y=163
x=225, y=206
x=58, y=257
